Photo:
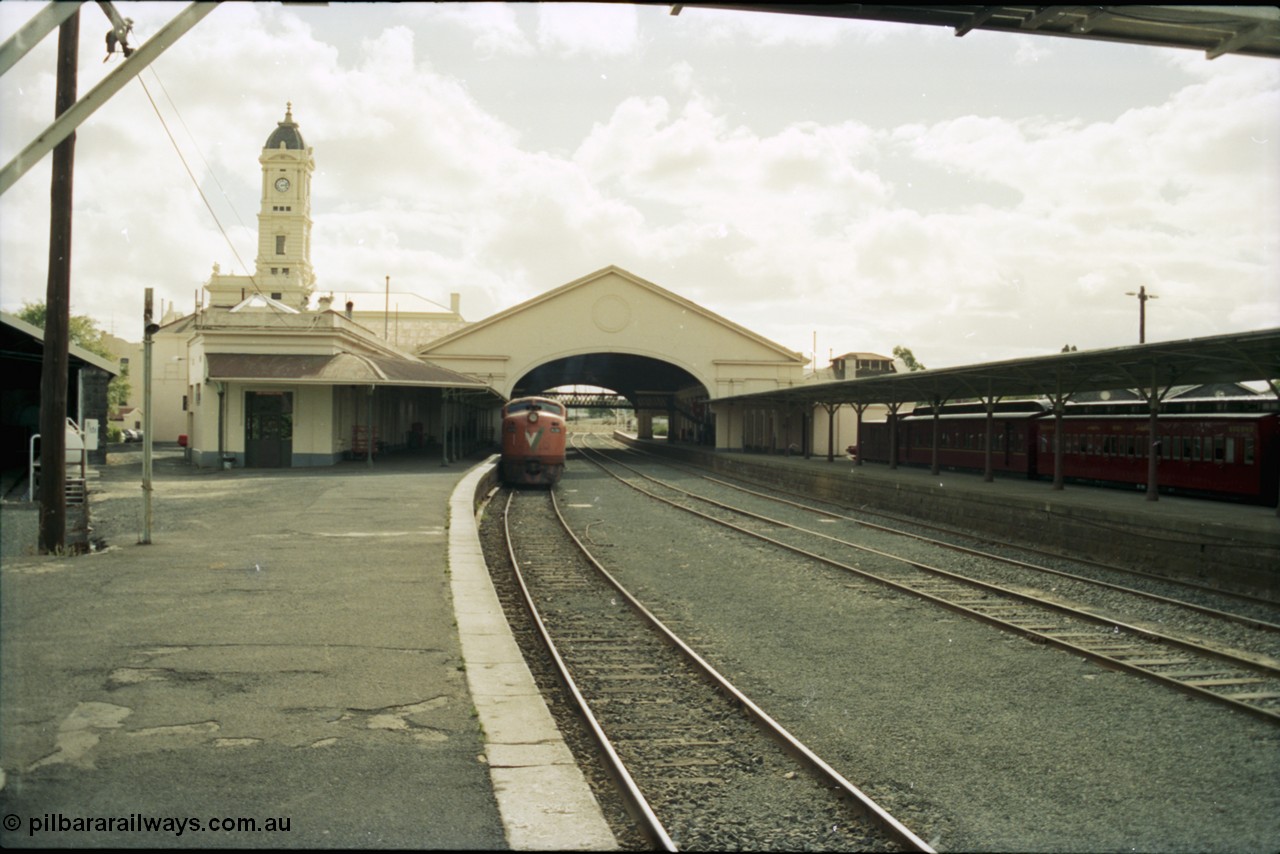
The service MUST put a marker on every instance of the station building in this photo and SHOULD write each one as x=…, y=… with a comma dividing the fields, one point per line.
x=269, y=370
x=257, y=377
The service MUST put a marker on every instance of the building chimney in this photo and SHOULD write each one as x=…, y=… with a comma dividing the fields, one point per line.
x=455, y=302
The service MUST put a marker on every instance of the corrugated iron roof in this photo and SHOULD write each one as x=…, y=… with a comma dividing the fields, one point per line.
x=341, y=369
x=1217, y=30
x=1238, y=357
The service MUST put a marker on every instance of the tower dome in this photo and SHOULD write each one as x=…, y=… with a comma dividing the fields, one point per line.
x=286, y=133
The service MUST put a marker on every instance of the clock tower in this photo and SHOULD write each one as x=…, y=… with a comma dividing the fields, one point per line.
x=283, y=269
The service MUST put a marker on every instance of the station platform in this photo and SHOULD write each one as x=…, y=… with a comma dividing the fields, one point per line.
x=1225, y=544
x=308, y=653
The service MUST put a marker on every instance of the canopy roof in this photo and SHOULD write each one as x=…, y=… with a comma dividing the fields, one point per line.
x=1238, y=357
x=340, y=369
x=1252, y=30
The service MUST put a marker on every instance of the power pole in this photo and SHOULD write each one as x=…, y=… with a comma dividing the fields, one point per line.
x=53, y=377
x=1142, y=296
x=149, y=329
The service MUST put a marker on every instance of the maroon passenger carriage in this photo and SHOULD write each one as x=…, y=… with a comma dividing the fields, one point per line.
x=533, y=437
x=1230, y=455
x=1213, y=448
x=962, y=437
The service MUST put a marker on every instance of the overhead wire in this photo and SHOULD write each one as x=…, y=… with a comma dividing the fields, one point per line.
x=196, y=144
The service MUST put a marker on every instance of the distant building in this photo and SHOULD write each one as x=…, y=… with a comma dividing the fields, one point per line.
x=844, y=431
x=406, y=320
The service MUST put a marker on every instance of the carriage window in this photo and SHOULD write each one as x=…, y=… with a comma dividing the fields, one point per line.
x=1231, y=449
x=1248, y=450
x=1166, y=447
x=1195, y=449
x=1219, y=448
x=1186, y=448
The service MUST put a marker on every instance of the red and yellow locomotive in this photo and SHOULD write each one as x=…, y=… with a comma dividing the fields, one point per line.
x=533, y=437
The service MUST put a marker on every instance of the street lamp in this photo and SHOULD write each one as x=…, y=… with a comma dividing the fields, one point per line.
x=1142, y=296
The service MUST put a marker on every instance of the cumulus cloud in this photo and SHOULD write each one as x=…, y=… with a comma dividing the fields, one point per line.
x=964, y=228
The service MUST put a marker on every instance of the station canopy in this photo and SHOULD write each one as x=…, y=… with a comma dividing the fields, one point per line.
x=1238, y=357
x=338, y=369
x=1215, y=29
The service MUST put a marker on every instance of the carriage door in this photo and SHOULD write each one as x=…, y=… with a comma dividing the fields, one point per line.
x=268, y=429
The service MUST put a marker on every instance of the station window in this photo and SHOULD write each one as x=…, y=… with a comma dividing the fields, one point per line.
x=280, y=244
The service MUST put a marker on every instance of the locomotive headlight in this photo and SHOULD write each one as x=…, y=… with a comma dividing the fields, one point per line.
x=533, y=417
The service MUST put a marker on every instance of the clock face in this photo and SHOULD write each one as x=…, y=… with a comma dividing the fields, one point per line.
x=282, y=184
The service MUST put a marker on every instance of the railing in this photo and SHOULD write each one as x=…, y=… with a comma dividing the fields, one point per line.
x=75, y=442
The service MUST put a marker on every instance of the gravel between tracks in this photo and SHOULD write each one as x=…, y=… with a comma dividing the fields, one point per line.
x=976, y=739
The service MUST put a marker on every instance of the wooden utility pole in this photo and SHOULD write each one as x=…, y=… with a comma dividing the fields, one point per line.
x=53, y=377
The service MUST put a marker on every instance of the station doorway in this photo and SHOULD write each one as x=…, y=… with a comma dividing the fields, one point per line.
x=268, y=429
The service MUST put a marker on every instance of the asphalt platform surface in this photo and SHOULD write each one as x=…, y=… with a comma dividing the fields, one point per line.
x=284, y=654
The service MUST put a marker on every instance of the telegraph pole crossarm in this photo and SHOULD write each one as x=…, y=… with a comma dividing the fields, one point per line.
x=66, y=123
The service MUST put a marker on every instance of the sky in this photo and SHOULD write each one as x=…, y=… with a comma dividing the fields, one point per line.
x=832, y=185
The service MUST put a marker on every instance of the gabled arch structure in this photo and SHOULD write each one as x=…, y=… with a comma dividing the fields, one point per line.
x=613, y=329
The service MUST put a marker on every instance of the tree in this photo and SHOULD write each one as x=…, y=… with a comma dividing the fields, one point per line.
x=84, y=333
x=908, y=358
x=84, y=329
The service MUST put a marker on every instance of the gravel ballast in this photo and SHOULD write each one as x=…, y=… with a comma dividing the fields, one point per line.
x=975, y=738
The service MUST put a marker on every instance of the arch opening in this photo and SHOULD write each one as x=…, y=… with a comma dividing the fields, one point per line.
x=657, y=392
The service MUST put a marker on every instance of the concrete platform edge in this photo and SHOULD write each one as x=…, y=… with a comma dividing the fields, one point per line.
x=545, y=802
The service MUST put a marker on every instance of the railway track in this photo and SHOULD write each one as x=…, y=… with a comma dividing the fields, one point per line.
x=1247, y=609
x=1249, y=682
x=701, y=766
